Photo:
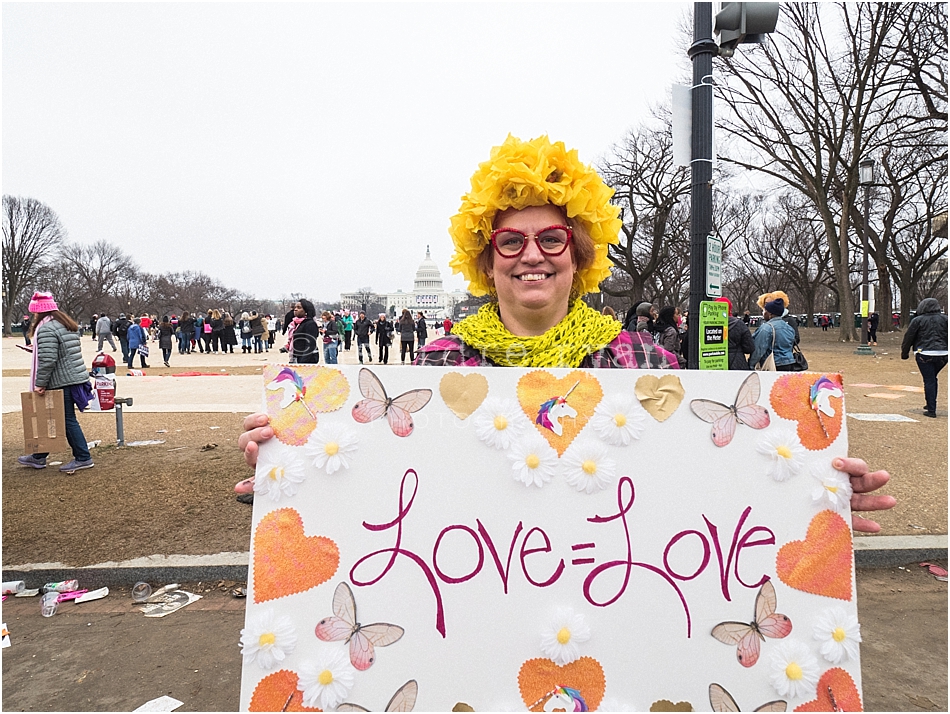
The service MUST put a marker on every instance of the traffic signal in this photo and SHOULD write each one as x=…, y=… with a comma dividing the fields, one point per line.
x=739, y=22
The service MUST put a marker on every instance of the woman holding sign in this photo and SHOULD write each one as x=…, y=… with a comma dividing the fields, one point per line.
x=532, y=233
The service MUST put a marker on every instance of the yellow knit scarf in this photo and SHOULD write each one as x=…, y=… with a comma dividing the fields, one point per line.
x=582, y=331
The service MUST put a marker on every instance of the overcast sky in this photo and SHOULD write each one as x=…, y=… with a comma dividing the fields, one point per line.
x=312, y=148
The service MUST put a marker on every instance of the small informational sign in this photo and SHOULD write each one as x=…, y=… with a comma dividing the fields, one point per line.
x=713, y=335
x=44, y=421
x=713, y=266
x=865, y=308
x=505, y=539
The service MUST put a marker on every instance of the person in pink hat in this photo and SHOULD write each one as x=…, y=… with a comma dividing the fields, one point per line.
x=58, y=364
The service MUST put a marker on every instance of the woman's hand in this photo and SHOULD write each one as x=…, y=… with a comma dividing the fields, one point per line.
x=257, y=430
x=864, y=482
x=39, y=390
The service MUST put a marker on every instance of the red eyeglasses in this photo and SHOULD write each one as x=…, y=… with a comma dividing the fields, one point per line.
x=552, y=241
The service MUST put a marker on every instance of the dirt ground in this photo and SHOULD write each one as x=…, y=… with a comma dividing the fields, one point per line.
x=104, y=656
x=174, y=498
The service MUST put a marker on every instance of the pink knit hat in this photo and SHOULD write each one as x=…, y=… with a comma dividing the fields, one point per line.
x=42, y=302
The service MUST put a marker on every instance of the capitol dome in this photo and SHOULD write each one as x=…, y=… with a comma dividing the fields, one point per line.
x=428, y=276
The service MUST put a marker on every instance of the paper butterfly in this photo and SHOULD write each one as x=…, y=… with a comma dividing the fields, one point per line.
x=744, y=411
x=721, y=701
x=396, y=410
x=343, y=626
x=294, y=389
x=747, y=636
x=402, y=701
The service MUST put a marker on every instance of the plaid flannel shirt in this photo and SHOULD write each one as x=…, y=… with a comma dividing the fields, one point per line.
x=627, y=351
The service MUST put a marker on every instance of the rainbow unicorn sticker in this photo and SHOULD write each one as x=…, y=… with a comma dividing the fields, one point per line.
x=820, y=396
x=562, y=699
x=294, y=389
x=555, y=409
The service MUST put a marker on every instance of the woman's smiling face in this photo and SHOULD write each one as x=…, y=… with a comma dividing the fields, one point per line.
x=532, y=283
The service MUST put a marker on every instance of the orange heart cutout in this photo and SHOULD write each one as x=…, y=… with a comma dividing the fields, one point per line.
x=463, y=393
x=271, y=694
x=285, y=560
x=821, y=564
x=847, y=697
x=540, y=677
x=791, y=398
x=583, y=391
x=326, y=390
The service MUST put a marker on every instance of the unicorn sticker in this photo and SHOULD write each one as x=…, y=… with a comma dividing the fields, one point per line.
x=555, y=409
x=820, y=396
x=294, y=389
x=563, y=699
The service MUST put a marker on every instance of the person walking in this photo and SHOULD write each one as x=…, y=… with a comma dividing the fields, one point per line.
x=422, y=331
x=137, y=338
x=774, y=336
x=407, y=336
x=331, y=338
x=121, y=328
x=824, y=321
x=25, y=327
x=165, y=333
x=347, y=330
x=363, y=328
x=873, y=321
x=257, y=332
x=186, y=331
x=244, y=325
x=273, y=327
x=58, y=364
x=447, y=325
x=384, y=337
x=104, y=331
x=927, y=337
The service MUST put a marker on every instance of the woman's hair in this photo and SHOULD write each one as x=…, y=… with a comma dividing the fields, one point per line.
x=184, y=315
x=582, y=248
x=667, y=317
x=166, y=321
x=58, y=315
x=405, y=311
x=609, y=311
x=215, y=314
x=308, y=307
x=245, y=316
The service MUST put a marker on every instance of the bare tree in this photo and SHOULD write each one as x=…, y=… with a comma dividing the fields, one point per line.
x=826, y=92
x=98, y=269
x=32, y=234
x=648, y=187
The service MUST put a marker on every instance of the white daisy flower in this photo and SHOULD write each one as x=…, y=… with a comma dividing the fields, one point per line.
x=587, y=466
x=785, y=451
x=326, y=681
x=560, y=638
x=833, y=489
x=331, y=447
x=533, y=461
x=618, y=419
x=268, y=639
x=499, y=422
x=279, y=472
x=839, y=634
x=794, y=670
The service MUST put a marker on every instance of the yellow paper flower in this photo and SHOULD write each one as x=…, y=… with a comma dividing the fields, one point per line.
x=520, y=174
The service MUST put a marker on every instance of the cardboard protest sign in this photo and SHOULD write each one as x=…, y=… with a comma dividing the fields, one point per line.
x=511, y=539
x=44, y=421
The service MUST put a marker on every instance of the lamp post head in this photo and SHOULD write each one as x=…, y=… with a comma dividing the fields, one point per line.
x=866, y=172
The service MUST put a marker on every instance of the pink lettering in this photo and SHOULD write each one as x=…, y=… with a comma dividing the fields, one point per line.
x=546, y=548
x=435, y=555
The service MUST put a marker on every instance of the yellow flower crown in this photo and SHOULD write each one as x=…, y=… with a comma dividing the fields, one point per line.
x=520, y=174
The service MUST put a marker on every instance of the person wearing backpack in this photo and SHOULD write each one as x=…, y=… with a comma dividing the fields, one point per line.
x=122, y=331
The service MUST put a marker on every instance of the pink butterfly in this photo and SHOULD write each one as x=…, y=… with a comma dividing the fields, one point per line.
x=749, y=635
x=744, y=411
x=722, y=701
x=404, y=700
x=396, y=410
x=342, y=626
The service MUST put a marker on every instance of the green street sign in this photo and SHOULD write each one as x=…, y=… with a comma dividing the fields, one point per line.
x=713, y=335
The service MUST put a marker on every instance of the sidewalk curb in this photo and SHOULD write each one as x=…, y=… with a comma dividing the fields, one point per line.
x=869, y=552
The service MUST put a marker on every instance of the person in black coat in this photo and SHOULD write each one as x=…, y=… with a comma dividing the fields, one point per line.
x=741, y=344
x=927, y=337
x=384, y=337
x=422, y=331
x=305, y=334
x=873, y=320
x=363, y=327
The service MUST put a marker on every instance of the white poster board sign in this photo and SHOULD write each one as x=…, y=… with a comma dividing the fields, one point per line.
x=513, y=539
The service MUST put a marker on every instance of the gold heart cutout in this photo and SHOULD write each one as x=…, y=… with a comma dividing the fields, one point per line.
x=660, y=396
x=463, y=393
x=581, y=392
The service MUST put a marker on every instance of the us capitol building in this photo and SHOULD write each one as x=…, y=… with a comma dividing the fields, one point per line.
x=427, y=296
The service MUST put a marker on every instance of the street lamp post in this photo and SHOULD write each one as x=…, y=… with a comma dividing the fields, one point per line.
x=866, y=179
